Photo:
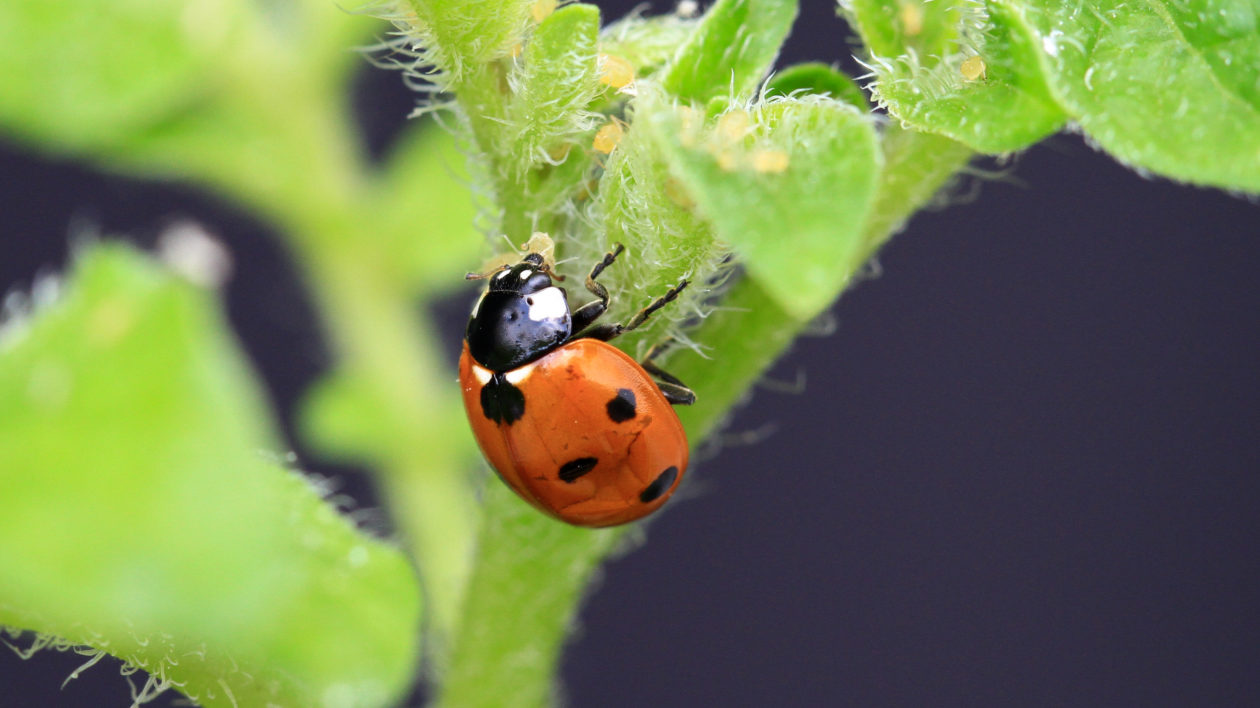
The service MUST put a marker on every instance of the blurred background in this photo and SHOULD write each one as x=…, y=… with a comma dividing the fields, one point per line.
x=1020, y=464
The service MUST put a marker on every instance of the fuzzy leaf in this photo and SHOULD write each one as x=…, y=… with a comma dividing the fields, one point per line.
x=1170, y=87
x=647, y=42
x=140, y=514
x=927, y=28
x=916, y=166
x=554, y=86
x=803, y=170
x=645, y=209
x=460, y=35
x=817, y=78
x=731, y=50
x=955, y=69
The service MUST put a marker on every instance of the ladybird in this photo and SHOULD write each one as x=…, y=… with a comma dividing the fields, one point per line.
x=575, y=426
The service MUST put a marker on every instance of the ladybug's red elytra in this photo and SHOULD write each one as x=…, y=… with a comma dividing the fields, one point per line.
x=575, y=426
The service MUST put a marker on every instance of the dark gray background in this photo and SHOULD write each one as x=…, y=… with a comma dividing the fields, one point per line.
x=1023, y=470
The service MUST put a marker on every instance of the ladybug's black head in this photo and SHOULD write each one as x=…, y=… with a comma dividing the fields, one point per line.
x=520, y=317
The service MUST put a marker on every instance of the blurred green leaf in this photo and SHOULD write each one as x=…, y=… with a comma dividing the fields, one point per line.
x=141, y=514
x=929, y=29
x=731, y=49
x=83, y=74
x=425, y=212
x=916, y=166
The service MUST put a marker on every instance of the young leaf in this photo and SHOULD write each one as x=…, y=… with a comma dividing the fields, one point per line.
x=731, y=50
x=140, y=514
x=644, y=208
x=542, y=157
x=553, y=87
x=818, y=78
x=803, y=170
x=959, y=70
x=460, y=35
x=1170, y=87
x=928, y=29
x=647, y=43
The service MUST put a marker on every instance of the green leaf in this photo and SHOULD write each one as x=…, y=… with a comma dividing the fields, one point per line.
x=140, y=513
x=817, y=78
x=802, y=169
x=425, y=212
x=1169, y=87
x=731, y=50
x=958, y=69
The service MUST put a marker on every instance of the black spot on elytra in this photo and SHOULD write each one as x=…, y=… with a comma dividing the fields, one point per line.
x=501, y=401
x=622, y=406
x=659, y=486
x=571, y=470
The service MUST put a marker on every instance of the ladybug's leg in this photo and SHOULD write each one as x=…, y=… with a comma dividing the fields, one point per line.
x=675, y=391
x=607, y=332
x=591, y=311
x=655, y=305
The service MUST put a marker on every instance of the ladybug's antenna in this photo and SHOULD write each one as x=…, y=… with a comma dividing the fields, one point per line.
x=546, y=268
x=483, y=276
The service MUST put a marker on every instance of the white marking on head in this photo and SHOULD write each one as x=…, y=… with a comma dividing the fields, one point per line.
x=501, y=275
x=516, y=376
x=482, y=374
x=525, y=273
x=547, y=304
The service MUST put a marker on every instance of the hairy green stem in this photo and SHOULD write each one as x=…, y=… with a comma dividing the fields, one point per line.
x=481, y=95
